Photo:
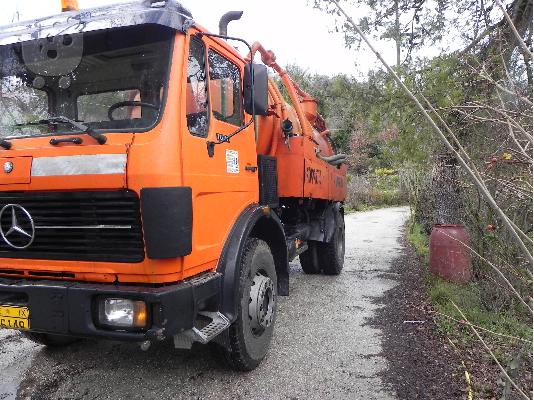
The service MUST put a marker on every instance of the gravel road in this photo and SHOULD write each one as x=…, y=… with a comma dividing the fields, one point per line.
x=323, y=346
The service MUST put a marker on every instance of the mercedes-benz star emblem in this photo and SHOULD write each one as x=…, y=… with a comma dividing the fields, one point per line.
x=8, y=167
x=16, y=234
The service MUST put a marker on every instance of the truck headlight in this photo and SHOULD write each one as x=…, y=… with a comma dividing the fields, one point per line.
x=122, y=313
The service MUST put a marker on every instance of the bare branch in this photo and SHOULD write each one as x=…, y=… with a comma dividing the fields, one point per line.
x=491, y=353
x=495, y=268
x=481, y=328
x=502, y=88
x=475, y=41
x=511, y=131
x=440, y=134
x=514, y=30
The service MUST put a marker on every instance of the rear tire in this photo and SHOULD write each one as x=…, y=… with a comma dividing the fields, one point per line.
x=332, y=254
x=309, y=261
x=250, y=335
x=48, y=339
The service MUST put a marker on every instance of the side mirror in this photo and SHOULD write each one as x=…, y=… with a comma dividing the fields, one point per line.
x=260, y=100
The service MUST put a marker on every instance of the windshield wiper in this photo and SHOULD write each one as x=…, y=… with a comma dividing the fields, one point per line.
x=101, y=139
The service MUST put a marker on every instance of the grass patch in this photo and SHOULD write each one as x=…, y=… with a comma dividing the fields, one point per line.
x=469, y=298
x=370, y=207
x=419, y=240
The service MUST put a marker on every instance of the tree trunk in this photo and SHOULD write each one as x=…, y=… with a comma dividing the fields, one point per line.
x=528, y=63
x=397, y=33
x=446, y=190
x=503, y=41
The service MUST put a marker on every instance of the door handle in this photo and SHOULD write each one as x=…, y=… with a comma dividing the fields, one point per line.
x=251, y=168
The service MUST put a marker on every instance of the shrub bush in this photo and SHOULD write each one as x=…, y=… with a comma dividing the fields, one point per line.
x=374, y=190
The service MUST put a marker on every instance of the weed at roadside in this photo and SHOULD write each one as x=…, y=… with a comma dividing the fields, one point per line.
x=506, y=329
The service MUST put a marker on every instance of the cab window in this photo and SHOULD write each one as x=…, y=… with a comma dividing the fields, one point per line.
x=225, y=89
x=196, y=89
x=95, y=107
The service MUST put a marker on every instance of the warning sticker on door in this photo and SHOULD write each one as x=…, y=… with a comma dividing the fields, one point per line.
x=232, y=162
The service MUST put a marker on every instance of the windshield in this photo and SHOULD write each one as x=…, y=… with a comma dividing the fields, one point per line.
x=109, y=80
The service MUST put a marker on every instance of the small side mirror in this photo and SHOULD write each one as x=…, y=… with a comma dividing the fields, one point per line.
x=260, y=100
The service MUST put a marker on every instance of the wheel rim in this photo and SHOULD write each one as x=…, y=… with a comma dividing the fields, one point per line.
x=261, y=303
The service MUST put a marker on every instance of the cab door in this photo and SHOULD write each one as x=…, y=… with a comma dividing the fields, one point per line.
x=224, y=178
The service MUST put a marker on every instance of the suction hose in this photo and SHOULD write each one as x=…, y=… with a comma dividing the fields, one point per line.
x=336, y=159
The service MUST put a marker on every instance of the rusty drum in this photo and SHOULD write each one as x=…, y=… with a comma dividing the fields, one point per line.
x=449, y=257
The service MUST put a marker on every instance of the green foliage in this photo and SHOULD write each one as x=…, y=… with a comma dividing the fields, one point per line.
x=341, y=140
x=374, y=191
x=479, y=92
x=469, y=299
x=384, y=172
x=410, y=24
x=344, y=102
x=371, y=119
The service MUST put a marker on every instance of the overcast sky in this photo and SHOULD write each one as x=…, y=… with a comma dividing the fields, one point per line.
x=295, y=31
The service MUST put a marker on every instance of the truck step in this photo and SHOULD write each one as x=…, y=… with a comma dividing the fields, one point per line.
x=204, y=335
x=218, y=324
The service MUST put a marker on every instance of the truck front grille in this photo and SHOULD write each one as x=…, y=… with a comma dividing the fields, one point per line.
x=83, y=226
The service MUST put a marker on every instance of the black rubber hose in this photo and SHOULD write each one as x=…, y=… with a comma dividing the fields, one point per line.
x=335, y=160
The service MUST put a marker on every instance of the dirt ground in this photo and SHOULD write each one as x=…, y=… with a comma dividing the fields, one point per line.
x=421, y=365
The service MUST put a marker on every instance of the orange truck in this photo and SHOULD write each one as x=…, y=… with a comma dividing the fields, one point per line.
x=154, y=183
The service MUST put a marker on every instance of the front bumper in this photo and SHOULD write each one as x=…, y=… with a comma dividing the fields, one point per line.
x=69, y=308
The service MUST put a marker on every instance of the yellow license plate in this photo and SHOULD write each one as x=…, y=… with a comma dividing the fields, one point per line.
x=14, y=317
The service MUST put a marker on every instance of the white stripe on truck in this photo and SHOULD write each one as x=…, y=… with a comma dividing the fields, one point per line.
x=79, y=165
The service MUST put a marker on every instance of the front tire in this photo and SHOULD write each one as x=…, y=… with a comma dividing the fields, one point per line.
x=250, y=335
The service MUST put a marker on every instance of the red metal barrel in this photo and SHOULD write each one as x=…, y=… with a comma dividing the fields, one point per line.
x=449, y=258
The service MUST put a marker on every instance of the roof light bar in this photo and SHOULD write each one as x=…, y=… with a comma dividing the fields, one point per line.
x=69, y=5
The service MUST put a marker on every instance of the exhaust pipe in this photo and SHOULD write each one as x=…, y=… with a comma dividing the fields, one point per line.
x=226, y=19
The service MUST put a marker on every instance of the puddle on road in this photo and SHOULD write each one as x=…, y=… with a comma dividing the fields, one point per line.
x=16, y=355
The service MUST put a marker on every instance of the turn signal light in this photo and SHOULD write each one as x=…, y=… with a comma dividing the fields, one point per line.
x=69, y=5
x=140, y=314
